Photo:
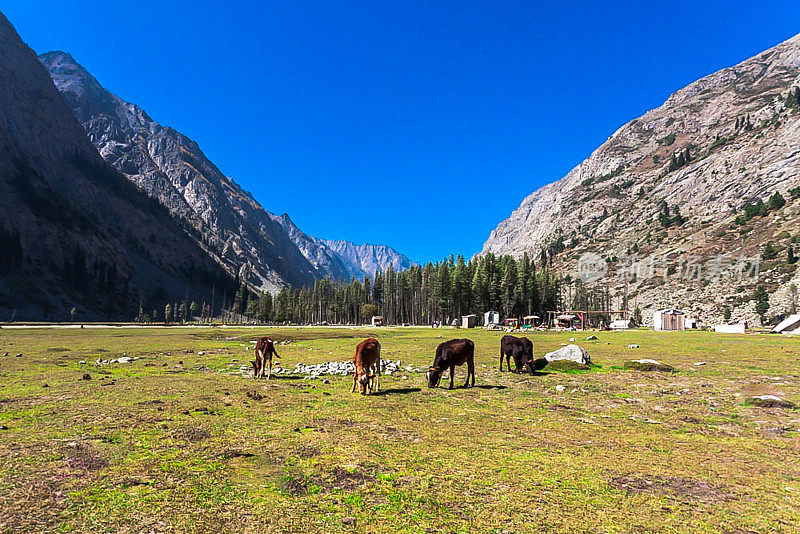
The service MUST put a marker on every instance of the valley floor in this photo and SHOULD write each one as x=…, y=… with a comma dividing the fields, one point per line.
x=176, y=440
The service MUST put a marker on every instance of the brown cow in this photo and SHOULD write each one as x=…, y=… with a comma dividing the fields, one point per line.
x=367, y=356
x=265, y=350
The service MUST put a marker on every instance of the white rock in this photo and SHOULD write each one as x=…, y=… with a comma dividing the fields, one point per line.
x=560, y=388
x=570, y=352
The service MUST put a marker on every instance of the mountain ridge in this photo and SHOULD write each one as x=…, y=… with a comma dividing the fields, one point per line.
x=78, y=234
x=172, y=167
x=714, y=146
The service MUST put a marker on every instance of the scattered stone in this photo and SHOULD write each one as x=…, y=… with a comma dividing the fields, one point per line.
x=769, y=401
x=124, y=359
x=3, y=427
x=82, y=362
x=560, y=388
x=86, y=376
x=348, y=520
x=201, y=353
x=633, y=346
x=326, y=381
x=570, y=352
x=45, y=385
x=19, y=355
x=572, y=339
x=5, y=355
x=648, y=365
x=699, y=363
x=590, y=338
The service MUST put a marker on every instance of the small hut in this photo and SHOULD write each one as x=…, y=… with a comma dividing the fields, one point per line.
x=469, y=321
x=564, y=320
x=668, y=320
x=377, y=320
x=491, y=318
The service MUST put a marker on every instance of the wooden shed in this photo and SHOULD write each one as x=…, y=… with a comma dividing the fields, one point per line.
x=668, y=320
x=469, y=321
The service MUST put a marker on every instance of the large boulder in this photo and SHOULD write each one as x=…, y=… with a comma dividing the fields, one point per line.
x=571, y=353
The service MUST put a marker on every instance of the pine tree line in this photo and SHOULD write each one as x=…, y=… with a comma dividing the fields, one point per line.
x=439, y=291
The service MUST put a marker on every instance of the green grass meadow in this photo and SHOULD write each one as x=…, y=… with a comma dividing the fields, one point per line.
x=181, y=441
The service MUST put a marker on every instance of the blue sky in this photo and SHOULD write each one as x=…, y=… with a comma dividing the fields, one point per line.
x=420, y=125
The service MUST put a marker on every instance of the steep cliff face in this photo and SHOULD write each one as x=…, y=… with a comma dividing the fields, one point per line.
x=171, y=168
x=673, y=184
x=73, y=231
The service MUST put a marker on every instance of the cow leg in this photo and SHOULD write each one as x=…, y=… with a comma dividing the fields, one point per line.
x=470, y=372
x=355, y=380
x=269, y=375
x=501, y=360
x=260, y=364
x=378, y=373
x=452, y=375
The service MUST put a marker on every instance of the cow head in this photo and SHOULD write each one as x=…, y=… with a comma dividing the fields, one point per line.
x=434, y=376
x=364, y=383
x=529, y=365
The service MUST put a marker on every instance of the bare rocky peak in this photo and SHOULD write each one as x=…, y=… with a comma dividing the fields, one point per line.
x=367, y=259
x=343, y=259
x=714, y=146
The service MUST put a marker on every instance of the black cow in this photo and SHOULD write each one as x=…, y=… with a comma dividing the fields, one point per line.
x=519, y=348
x=448, y=355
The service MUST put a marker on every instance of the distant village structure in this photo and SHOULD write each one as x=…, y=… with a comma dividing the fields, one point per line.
x=668, y=320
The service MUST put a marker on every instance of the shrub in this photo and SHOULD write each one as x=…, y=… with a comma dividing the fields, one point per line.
x=776, y=201
x=769, y=252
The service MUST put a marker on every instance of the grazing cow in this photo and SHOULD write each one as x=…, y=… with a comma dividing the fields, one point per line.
x=448, y=355
x=367, y=356
x=519, y=348
x=265, y=350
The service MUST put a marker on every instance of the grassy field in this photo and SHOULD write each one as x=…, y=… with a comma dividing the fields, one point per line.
x=178, y=440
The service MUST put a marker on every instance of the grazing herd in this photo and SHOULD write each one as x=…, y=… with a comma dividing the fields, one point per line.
x=449, y=355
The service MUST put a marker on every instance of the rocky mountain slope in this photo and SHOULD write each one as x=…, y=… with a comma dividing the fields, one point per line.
x=170, y=167
x=366, y=259
x=343, y=260
x=669, y=191
x=320, y=256
x=73, y=231
x=267, y=250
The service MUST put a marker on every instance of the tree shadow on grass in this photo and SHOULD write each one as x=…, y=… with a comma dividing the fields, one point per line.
x=396, y=391
x=488, y=386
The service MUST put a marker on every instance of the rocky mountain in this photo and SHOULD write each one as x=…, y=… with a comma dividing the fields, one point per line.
x=74, y=232
x=367, y=259
x=343, y=260
x=266, y=250
x=171, y=168
x=681, y=201
x=321, y=257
